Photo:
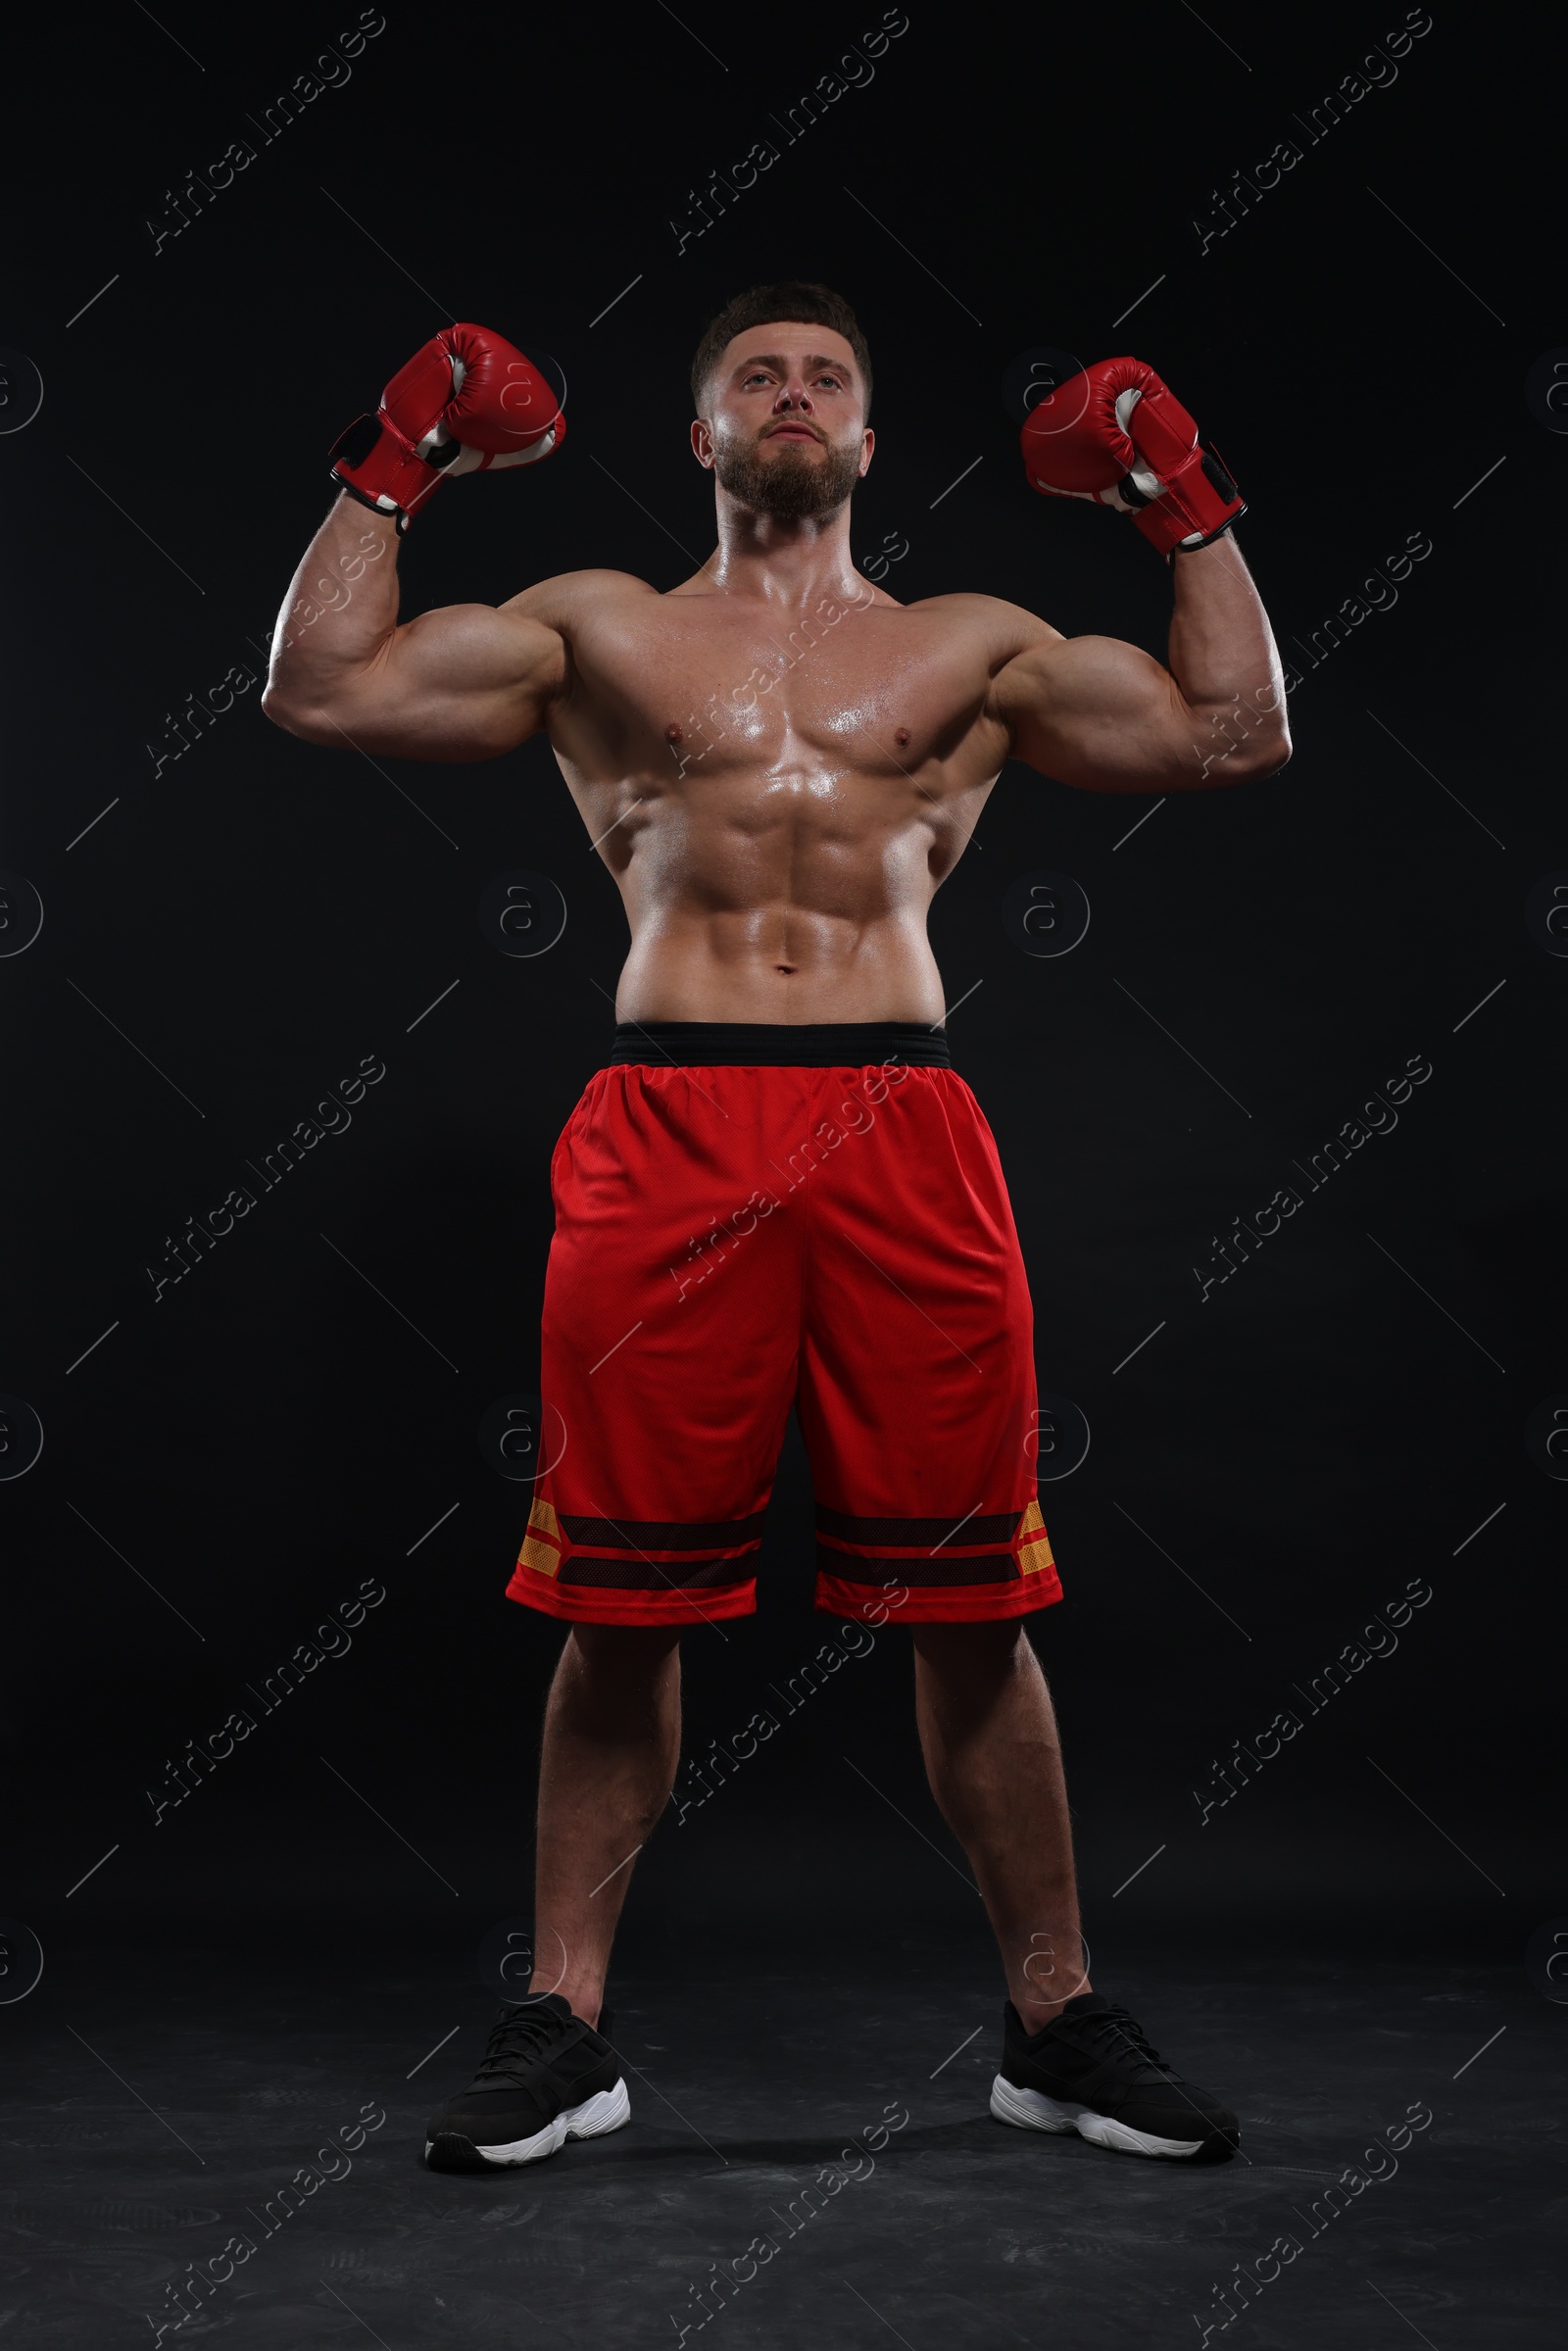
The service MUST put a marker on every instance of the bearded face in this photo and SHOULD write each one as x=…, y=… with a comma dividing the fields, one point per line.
x=791, y=481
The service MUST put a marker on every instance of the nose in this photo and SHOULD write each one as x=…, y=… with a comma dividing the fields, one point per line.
x=794, y=394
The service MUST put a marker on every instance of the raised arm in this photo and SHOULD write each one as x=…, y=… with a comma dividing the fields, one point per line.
x=464, y=682
x=467, y=682
x=1104, y=716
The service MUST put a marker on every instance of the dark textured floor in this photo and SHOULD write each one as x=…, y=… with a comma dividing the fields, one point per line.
x=202, y=2082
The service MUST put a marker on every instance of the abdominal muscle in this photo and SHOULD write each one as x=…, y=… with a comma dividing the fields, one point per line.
x=820, y=918
x=781, y=963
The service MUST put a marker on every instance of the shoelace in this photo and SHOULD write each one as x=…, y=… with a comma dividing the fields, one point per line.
x=516, y=2041
x=1117, y=2025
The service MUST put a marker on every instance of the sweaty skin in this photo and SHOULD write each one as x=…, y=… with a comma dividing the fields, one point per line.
x=777, y=761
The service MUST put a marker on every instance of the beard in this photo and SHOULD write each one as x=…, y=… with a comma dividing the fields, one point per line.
x=791, y=487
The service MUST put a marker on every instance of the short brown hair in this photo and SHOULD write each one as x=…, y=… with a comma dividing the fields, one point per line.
x=813, y=305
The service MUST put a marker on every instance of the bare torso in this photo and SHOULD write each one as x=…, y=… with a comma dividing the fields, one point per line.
x=777, y=761
x=778, y=796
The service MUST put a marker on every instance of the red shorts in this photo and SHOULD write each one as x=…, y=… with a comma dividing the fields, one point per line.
x=752, y=1217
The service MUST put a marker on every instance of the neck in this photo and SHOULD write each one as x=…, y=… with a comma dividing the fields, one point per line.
x=783, y=562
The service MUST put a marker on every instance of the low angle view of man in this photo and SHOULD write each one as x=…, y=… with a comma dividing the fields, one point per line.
x=778, y=1192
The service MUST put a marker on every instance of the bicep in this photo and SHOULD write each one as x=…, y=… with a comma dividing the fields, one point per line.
x=1098, y=715
x=463, y=682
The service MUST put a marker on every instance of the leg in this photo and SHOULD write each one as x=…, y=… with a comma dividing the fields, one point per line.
x=917, y=1402
x=612, y=1743
x=994, y=1759
x=668, y=1365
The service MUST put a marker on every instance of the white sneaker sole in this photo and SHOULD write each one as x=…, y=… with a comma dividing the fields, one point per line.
x=607, y=2110
x=1032, y=2110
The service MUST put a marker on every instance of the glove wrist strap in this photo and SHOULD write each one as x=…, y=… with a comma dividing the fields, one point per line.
x=382, y=470
x=1198, y=502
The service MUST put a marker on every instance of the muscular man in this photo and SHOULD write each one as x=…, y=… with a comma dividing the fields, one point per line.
x=778, y=1191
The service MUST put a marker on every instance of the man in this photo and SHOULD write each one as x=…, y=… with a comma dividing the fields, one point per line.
x=778, y=1192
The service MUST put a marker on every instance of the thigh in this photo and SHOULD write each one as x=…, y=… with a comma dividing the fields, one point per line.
x=668, y=1348
x=918, y=1388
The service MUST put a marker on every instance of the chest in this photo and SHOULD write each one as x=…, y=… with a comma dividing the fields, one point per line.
x=851, y=681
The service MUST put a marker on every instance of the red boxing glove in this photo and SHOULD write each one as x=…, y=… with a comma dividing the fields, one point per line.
x=1121, y=436
x=465, y=403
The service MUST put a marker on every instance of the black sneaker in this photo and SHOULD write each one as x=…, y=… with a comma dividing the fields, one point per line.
x=546, y=2077
x=1093, y=2071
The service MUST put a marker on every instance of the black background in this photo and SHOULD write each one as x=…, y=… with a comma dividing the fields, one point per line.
x=240, y=928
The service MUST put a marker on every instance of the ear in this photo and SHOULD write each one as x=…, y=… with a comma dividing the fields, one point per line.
x=867, y=444
x=702, y=443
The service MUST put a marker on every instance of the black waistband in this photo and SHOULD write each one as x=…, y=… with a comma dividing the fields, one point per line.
x=771, y=1045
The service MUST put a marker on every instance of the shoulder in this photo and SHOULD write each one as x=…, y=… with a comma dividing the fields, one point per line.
x=1004, y=629
x=570, y=597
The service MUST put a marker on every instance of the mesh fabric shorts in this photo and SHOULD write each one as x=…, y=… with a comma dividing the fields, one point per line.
x=751, y=1217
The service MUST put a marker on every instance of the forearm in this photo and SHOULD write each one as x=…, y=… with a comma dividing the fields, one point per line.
x=1226, y=666
x=338, y=616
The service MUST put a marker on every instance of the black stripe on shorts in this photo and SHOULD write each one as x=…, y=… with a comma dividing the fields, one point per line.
x=662, y=1533
x=640, y=1575
x=999, y=1526
x=848, y=1567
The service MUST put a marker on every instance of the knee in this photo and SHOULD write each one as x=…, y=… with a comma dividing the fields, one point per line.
x=621, y=1659
x=969, y=1668
x=950, y=1650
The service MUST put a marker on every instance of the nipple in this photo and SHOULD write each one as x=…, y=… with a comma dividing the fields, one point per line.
x=672, y=734
x=901, y=736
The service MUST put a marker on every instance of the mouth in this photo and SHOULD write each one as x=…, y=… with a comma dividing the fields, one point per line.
x=791, y=432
